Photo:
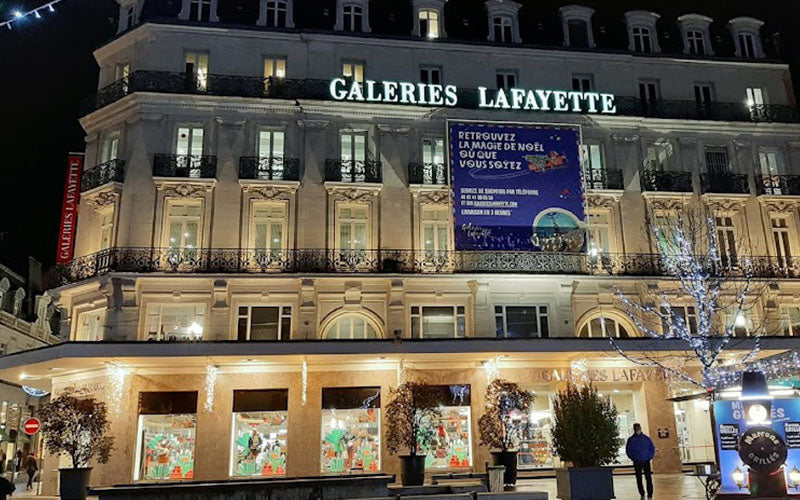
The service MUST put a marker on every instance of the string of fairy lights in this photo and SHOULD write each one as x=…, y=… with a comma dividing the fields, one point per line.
x=38, y=13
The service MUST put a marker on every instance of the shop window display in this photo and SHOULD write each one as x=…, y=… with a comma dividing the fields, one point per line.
x=535, y=427
x=450, y=435
x=351, y=430
x=166, y=437
x=259, y=433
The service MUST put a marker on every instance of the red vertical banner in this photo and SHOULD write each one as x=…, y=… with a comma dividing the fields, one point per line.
x=69, y=208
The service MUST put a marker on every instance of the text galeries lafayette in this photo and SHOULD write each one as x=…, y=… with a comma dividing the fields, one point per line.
x=426, y=94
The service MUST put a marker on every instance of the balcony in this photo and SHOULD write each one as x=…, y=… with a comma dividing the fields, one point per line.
x=427, y=173
x=603, y=179
x=269, y=169
x=281, y=88
x=191, y=166
x=777, y=185
x=664, y=181
x=353, y=171
x=253, y=261
x=110, y=171
x=725, y=183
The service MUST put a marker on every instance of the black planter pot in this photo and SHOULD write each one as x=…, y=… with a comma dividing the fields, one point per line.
x=585, y=483
x=412, y=472
x=74, y=484
x=508, y=459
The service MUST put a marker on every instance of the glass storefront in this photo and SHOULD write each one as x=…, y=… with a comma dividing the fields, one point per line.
x=450, y=435
x=166, y=436
x=258, y=442
x=626, y=417
x=534, y=428
x=693, y=424
x=351, y=430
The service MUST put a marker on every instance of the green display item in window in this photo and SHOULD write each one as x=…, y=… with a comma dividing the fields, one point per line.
x=337, y=465
x=336, y=438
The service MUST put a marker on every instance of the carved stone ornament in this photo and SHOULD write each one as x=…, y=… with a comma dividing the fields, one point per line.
x=667, y=203
x=269, y=192
x=186, y=190
x=725, y=203
x=347, y=193
x=435, y=196
x=102, y=199
x=779, y=204
x=606, y=201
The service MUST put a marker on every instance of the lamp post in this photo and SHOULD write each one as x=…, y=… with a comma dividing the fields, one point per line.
x=738, y=478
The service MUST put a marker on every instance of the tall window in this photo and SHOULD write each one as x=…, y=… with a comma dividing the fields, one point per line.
x=268, y=226
x=353, y=71
x=433, y=167
x=506, y=79
x=200, y=10
x=429, y=23
x=183, y=223
x=90, y=326
x=189, y=145
x=747, y=45
x=166, y=322
x=352, y=16
x=264, y=323
x=780, y=236
x=503, y=29
x=274, y=67
x=726, y=239
x=435, y=222
x=276, y=13
x=583, y=83
x=438, y=322
x=122, y=72
x=110, y=147
x=717, y=160
x=769, y=161
x=642, y=41
x=271, y=145
x=657, y=157
x=351, y=326
x=521, y=321
x=756, y=101
x=430, y=75
x=197, y=68
x=649, y=95
x=696, y=44
x=790, y=321
x=703, y=96
x=130, y=17
x=353, y=226
x=593, y=165
x=578, y=33
x=353, y=151
x=106, y=228
x=599, y=232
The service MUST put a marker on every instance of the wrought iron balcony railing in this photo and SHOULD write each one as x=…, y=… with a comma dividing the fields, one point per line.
x=778, y=185
x=269, y=169
x=283, y=88
x=659, y=180
x=726, y=183
x=427, y=173
x=603, y=179
x=253, y=261
x=110, y=171
x=192, y=166
x=353, y=171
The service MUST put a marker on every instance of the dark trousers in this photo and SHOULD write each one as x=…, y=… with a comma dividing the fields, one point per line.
x=644, y=468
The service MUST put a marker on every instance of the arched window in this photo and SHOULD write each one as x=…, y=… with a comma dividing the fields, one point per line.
x=605, y=325
x=351, y=326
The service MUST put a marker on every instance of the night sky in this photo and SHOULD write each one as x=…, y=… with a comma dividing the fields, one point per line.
x=47, y=68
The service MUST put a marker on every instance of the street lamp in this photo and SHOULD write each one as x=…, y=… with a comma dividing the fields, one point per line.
x=794, y=477
x=738, y=478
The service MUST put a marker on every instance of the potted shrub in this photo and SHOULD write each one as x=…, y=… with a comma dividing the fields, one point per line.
x=408, y=416
x=497, y=430
x=76, y=426
x=586, y=437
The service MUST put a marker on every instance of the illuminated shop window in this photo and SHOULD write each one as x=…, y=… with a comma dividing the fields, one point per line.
x=351, y=430
x=449, y=443
x=693, y=428
x=351, y=326
x=626, y=417
x=534, y=429
x=258, y=447
x=166, y=436
x=438, y=322
x=91, y=325
x=264, y=323
x=178, y=322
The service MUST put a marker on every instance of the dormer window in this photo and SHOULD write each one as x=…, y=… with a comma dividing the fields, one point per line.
x=352, y=16
x=503, y=22
x=642, y=33
x=199, y=10
x=747, y=37
x=130, y=17
x=696, y=37
x=428, y=23
x=576, y=22
x=276, y=14
x=128, y=14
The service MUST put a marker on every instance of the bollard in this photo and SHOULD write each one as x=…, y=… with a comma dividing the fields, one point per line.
x=496, y=474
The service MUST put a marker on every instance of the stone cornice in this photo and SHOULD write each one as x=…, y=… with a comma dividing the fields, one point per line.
x=779, y=204
x=343, y=191
x=184, y=188
x=269, y=190
x=432, y=195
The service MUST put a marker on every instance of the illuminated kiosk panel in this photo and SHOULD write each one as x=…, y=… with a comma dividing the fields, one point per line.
x=259, y=431
x=351, y=430
x=166, y=437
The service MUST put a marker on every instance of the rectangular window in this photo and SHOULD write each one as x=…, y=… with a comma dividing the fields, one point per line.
x=276, y=13
x=593, y=165
x=502, y=29
x=353, y=226
x=535, y=431
x=106, y=233
x=790, y=321
x=506, y=79
x=264, y=323
x=429, y=23
x=351, y=430
x=681, y=315
x=183, y=224
x=166, y=436
x=578, y=33
x=703, y=95
x=260, y=430
x=641, y=39
x=747, y=45
x=451, y=447
x=353, y=71
x=695, y=43
x=583, y=83
x=717, y=160
x=171, y=322
x=649, y=95
x=270, y=143
x=197, y=71
x=90, y=326
x=189, y=141
x=274, y=67
x=122, y=71
x=780, y=237
x=438, y=322
x=521, y=321
x=200, y=10
x=433, y=162
x=435, y=222
x=353, y=151
x=657, y=157
x=600, y=233
x=755, y=97
x=769, y=161
x=726, y=239
x=130, y=17
x=110, y=147
x=352, y=16
x=430, y=75
x=268, y=228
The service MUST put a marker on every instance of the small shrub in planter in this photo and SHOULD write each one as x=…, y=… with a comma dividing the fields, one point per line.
x=76, y=426
x=412, y=407
x=496, y=427
x=585, y=435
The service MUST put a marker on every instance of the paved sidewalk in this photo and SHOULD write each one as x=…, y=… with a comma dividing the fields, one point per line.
x=666, y=486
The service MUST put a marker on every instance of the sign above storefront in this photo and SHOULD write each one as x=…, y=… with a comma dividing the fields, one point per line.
x=428, y=94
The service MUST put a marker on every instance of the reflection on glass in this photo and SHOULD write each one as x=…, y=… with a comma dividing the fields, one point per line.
x=450, y=439
x=259, y=443
x=167, y=447
x=351, y=441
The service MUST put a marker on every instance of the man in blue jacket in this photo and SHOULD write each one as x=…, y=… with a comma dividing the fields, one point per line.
x=640, y=450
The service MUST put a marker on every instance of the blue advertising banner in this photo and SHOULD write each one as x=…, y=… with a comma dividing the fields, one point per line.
x=516, y=186
x=771, y=439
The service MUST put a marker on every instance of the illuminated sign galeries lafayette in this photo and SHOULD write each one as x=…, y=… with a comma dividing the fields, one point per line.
x=425, y=94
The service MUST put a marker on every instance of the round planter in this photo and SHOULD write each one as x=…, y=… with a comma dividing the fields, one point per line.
x=74, y=484
x=412, y=472
x=508, y=459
